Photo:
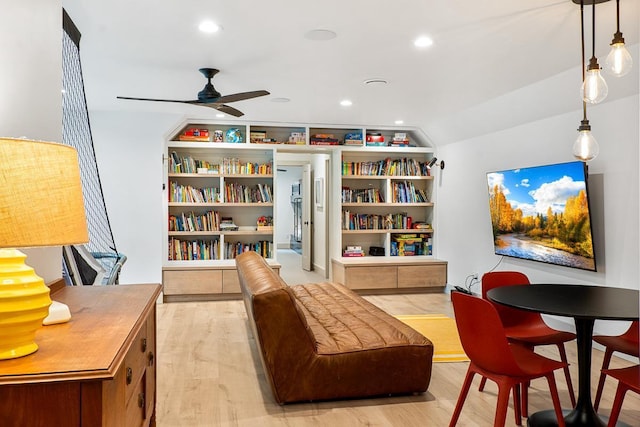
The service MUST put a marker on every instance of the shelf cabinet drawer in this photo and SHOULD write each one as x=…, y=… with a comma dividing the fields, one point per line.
x=420, y=276
x=230, y=282
x=189, y=282
x=371, y=278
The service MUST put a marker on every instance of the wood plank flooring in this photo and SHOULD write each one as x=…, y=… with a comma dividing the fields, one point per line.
x=209, y=375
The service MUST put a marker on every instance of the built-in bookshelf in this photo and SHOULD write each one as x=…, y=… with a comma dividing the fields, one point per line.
x=220, y=186
x=387, y=203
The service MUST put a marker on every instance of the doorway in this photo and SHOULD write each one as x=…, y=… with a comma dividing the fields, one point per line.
x=302, y=258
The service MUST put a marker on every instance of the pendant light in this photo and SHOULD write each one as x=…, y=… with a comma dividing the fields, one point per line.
x=594, y=87
x=619, y=61
x=586, y=147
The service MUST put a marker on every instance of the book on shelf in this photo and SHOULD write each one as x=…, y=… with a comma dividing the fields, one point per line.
x=227, y=224
x=353, y=251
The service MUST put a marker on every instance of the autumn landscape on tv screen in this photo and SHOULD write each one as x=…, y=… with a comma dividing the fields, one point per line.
x=542, y=214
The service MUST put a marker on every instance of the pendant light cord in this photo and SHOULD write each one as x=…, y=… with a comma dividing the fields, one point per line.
x=584, y=64
x=617, y=16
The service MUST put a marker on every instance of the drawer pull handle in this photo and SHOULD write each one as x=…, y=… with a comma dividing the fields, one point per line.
x=151, y=358
x=141, y=400
x=129, y=375
x=144, y=345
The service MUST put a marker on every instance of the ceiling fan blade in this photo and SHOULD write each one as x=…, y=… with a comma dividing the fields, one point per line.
x=159, y=100
x=228, y=110
x=241, y=96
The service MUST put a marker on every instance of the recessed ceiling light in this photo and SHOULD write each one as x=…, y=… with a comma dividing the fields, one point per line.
x=209, y=27
x=320, y=35
x=399, y=122
x=219, y=115
x=346, y=103
x=423, y=41
x=281, y=99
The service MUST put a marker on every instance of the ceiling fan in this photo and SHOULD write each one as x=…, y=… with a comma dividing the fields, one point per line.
x=210, y=97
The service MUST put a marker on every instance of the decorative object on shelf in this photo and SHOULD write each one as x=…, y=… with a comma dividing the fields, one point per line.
x=619, y=61
x=264, y=223
x=234, y=135
x=42, y=205
x=433, y=163
x=194, y=134
x=210, y=97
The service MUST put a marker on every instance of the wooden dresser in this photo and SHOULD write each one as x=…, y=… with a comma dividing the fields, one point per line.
x=98, y=369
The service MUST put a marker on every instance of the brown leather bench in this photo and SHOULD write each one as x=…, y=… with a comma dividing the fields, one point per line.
x=322, y=341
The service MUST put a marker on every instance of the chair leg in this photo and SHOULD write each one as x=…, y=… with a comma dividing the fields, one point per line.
x=555, y=399
x=617, y=405
x=463, y=396
x=483, y=381
x=516, y=404
x=605, y=365
x=567, y=375
x=525, y=399
x=504, y=390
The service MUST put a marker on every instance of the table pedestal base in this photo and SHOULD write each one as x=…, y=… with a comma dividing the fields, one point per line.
x=548, y=419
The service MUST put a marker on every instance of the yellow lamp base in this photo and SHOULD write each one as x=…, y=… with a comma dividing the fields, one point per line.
x=24, y=303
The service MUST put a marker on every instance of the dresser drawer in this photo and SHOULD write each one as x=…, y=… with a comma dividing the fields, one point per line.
x=135, y=362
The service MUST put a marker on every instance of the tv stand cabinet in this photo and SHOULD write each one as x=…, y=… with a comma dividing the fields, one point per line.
x=98, y=369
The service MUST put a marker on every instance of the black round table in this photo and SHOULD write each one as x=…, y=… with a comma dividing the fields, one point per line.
x=585, y=304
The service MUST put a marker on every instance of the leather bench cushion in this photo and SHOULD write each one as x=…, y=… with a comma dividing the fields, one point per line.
x=341, y=321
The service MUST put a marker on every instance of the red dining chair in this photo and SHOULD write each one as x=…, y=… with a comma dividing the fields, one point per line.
x=492, y=356
x=628, y=379
x=627, y=343
x=526, y=327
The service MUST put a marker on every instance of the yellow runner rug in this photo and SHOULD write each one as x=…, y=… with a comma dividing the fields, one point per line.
x=442, y=332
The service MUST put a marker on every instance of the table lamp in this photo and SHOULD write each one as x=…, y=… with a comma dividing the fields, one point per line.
x=41, y=204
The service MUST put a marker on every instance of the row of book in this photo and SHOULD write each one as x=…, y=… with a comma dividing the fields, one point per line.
x=208, y=221
x=190, y=250
x=233, y=249
x=228, y=166
x=188, y=194
x=240, y=193
x=356, y=221
x=406, y=192
x=188, y=164
x=366, y=195
x=387, y=167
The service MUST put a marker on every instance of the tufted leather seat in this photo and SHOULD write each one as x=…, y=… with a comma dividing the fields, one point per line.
x=322, y=341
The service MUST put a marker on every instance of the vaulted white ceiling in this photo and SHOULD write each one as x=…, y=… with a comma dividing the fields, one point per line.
x=493, y=64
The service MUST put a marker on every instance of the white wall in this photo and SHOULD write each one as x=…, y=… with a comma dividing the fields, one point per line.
x=30, y=89
x=129, y=150
x=464, y=236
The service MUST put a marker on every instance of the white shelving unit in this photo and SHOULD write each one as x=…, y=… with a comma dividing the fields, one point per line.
x=188, y=277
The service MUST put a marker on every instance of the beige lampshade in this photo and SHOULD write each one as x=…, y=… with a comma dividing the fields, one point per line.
x=41, y=200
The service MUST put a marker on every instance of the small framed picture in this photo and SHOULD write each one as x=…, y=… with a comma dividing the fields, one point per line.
x=319, y=192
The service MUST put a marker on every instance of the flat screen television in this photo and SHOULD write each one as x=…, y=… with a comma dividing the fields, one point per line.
x=542, y=214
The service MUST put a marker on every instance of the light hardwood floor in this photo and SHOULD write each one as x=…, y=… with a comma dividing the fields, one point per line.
x=209, y=375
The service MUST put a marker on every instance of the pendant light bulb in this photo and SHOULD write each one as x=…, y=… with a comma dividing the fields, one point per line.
x=586, y=147
x=594, y=88
x=619, y=60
